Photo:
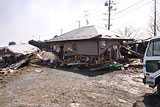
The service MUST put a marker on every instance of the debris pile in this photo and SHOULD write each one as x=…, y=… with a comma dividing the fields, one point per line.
x=45, y=59
x=134, y=49
x=16, y=56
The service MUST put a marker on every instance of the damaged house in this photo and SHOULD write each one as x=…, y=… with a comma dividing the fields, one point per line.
x=89, y=44
x=15, y=53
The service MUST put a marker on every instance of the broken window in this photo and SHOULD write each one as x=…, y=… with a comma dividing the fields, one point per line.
x=74, y=46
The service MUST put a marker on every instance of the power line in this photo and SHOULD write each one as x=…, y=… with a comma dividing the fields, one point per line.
x=134, y=9
x=128, y=7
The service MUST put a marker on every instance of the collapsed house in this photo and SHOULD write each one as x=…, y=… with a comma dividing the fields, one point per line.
x=89, y=44
x=134, y=49
x=15, y=53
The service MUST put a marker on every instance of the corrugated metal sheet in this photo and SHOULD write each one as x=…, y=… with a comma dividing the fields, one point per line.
x=88, y=32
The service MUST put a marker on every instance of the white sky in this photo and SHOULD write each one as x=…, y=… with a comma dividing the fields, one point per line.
x=23, y=20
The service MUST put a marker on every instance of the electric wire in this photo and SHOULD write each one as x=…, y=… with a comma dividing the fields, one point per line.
x=134, y=10
x=128, y=7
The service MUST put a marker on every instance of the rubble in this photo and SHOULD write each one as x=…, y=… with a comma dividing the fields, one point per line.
x=39, y=70
x=45, y=59
x=15, y=57
x=96, y=87
x=130, y=53
x=50, y=60
x=3, y=71
x=74, y=105
x=20, y=63
x=116, y=65
x=3, y=64
x=39, y=58
x=15, y=54
x=77, y=63
x=47, y=56
x=133, y=63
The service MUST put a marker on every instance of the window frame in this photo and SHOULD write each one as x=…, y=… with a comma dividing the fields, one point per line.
x=54, y=47
x=74, y=46
x=153, y=47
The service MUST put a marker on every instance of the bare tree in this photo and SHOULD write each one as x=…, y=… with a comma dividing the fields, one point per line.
x=128, y=31
x=150, y=28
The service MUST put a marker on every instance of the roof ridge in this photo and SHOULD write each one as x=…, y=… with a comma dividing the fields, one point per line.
x=76, y=29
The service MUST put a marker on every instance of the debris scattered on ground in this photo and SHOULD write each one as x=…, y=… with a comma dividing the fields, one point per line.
x=77, y=63
x=68, y=88
x=47, y=56
x=130, y=53
x=74, y=105
x=3, y=71
x=116, y=65
x=20, y=63
x=39, y=70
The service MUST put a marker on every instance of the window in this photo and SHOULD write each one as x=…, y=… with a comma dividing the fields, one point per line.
x=74, y=46
x=152, y=66
x=150, y=49
x=154, y=49
x=103, y=44
x=54, y=47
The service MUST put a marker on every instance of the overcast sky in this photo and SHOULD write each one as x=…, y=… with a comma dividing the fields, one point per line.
x=23, y=20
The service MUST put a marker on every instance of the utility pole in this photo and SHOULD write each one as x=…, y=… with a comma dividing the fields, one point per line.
x=109, y=4
x=61, y=31
x=155, y=18
x=39, y=38
x=79, y=23
x=86, y=15
x=39, y=42
x=109, y=15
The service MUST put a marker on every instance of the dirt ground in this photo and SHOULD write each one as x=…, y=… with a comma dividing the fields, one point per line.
x=69, y=88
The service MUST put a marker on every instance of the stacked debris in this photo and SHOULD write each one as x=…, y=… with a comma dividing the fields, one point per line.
x=128, y=52
x=134, y=49
x=46, y=59
x=16, y=56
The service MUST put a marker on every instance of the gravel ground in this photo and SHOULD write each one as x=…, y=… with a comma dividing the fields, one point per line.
x=68, y=88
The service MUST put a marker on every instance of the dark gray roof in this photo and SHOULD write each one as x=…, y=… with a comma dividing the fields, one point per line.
x=87, y=32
